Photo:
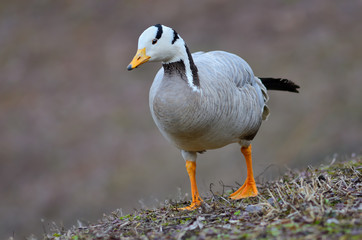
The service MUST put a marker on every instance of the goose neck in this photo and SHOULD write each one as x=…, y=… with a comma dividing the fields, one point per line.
x=184, y=66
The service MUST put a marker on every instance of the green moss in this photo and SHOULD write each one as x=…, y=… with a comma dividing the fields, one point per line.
x=237, y=213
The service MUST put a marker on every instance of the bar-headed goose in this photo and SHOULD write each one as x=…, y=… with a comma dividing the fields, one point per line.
x=204, y=100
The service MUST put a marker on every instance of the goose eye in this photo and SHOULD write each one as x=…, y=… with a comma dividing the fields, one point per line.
x=154, y=41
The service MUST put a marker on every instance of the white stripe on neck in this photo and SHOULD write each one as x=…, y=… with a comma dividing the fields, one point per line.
x=189, y=76
x=181, y=55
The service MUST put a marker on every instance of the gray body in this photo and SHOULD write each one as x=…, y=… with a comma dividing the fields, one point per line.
x=228, y=108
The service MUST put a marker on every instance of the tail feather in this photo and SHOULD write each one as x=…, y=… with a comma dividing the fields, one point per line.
x=279, y=84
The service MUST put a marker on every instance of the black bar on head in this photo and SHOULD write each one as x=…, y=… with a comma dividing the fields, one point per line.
x=159, y=31
x=175, y=36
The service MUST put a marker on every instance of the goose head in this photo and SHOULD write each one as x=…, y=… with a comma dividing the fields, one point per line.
x=158, y=43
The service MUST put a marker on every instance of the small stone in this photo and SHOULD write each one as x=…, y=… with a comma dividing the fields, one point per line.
x=271, y=201
x=322, y=178
x=253, y=208
x=332, y=220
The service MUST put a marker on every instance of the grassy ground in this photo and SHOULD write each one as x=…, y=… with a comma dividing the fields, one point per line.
x=318, y=203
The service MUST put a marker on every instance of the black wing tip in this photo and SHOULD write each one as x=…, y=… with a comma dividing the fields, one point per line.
x=292, y=86
x=281, y=84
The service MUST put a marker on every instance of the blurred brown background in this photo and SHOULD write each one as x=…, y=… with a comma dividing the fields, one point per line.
x=76, y=136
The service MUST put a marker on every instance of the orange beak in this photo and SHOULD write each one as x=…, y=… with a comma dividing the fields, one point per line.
x=138, y=59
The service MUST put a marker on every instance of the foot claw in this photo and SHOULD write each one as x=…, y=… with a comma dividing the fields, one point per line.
x=247, y=190
x=192, y=206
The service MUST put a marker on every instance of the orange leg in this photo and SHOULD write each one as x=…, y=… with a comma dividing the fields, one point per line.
x=249, y=187
x=196, y=200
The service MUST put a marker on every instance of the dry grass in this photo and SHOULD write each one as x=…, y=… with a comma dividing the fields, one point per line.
x=318, y=203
